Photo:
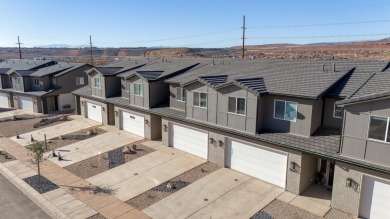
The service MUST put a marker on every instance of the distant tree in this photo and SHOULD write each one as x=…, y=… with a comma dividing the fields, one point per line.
x=37, y=149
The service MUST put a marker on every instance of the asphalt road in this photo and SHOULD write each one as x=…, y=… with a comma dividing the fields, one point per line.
x=14, y=204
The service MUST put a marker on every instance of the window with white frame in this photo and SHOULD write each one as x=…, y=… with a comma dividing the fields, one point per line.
x=236, y=105
x=138, y=89
x=80, y=80
x=200, y=99
x=180, y=94
x=54, y=81
x=338, y=112
x=36, y=82
x=285, y=110
x=17, y=80
x=379, y=128
x=97, y=82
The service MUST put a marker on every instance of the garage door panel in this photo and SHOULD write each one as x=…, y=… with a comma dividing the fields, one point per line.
x=189, y=140
x=267, y=165
x=26, y=103
x=94, y=112
x=133, y=123
x=375, y=198
x=4, y=100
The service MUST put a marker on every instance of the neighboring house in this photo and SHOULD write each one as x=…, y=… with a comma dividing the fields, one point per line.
x=42, y=89
x=274, y=120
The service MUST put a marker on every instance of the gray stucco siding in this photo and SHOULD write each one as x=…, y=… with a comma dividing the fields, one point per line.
x=141, y=101
x=328, y=119
x=355, y=141
x=67, y=81
x=97, y=92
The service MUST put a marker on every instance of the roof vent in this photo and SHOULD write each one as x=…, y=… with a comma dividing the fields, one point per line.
x=334, y=67
x=323, y=67
x=213, y=62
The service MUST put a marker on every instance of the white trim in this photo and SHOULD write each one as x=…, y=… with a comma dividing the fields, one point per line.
x=78, y=81
x=285, y=101
x=100, y=82
x=386, y=132
x=182, y=92
x=334, y=110
x=237, y=106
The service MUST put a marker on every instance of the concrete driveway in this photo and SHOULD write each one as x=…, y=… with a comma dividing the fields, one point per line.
x=222, y=194
x=75, y=125
x=91, y=147
x=140, y=175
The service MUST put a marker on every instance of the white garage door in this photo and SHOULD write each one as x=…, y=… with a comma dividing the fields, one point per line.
x=26, y=103
x=4, y=100
x=375, y=198
x=189, y=140
x=133, y=123
x=94, y=112
x=267, y=165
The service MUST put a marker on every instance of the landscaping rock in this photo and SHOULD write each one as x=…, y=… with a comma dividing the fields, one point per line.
x=41, y=184
x=63, y=118
x=90, y=132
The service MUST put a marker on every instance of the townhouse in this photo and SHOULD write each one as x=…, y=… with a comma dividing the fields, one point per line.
x=279, y=121
x=40, y=86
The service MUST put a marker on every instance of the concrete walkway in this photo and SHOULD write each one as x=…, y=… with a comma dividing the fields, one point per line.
x=91, y=147
x=98, y=199
x=77, y=124
x=146, y=172
x=222, y=194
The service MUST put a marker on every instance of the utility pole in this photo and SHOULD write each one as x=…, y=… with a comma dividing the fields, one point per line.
x=90, y=44
x=20, y=51
x=243, y=38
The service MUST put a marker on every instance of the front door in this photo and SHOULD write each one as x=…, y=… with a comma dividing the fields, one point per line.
x=55, y=107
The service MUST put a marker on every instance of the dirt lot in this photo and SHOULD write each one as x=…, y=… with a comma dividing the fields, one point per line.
x=6, y=157
x=281, y=210
x=24, y=124
x=97, y=216
x=103, y=162
x=162, y=191
x=73, y=137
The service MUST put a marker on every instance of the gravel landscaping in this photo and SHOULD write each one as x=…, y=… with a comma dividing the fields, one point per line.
x=73, y=137
x=41, y=185
x=97, y=216
x=103, y=162
x=6, y=157
x=281, y=210
x=25, y=123
x=162, y=191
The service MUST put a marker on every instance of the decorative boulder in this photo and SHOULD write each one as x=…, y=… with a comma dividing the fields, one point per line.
x=127, y=150
x=90, y=132
x=134, y=147
x=63, y=118
x=171, y=186
x=14, y=118
x=60, y=137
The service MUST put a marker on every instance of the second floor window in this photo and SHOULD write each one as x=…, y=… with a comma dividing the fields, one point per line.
x=200, y=99
x=236, y=105
x=54, y=81
x=17, y=81
x=138, y=89
x=180, y=94
x=379, y=128
x=285, y=110
x=338, y=112
x=97, y=82
x=80, y=81
x=36, y=82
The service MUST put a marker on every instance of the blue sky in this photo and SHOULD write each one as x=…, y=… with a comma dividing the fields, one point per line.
x=190, y=23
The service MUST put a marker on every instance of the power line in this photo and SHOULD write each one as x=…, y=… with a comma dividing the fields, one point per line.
x=90, y=45
x=320, y=25
x=20, y=51
x=243, y=38
x=326, y=36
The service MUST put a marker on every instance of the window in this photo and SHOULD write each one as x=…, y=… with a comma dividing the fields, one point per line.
x=236, y=105
x=80, y=81
x=54, y=81
x=17, y=81
x=138, y=89
x=379, y=128
x=285, y=110
x=200, y=99
x=97, y=82
x=181, y=94
x=36, y=82
x=338, y=112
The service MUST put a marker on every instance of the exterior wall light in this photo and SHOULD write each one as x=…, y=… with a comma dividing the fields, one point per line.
x=349, y=182
x=82, y=103
x=116, y=113
x=165, y=128
x=220, y=143
x=293, y=166
x=35, y=102
x=146, y=122
x=211, y=140
x=103, y=109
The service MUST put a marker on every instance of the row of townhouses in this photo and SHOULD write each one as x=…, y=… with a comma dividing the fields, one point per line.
x=289, y=123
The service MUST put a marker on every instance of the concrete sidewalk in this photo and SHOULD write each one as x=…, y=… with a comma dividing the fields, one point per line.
x=96, y=198
x=77, y=124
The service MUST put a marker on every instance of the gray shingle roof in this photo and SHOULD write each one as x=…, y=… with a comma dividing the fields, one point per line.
x=214, y=81
x=108, y=70
x=23, y=64
x=254, y=85
x=161, y=68
x=25, y=72
x=364, y=98
x=58, y=69
x=293, y=78
x=4, y=70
